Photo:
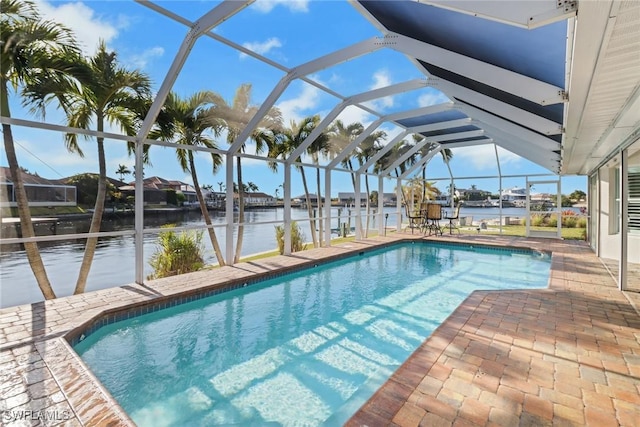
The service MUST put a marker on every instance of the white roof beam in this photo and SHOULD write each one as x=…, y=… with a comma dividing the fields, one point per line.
x=240, y=48
x=295, y=154
x=384, y=150
x=431, y=139
x=520, y=85
x=525, y=150
x=450, y=124
x=507, y=126
x=355, y=143
x=355, y=99
x=515, y=114
x=548, y=145
x=537, y=158
x=531, y=150
x=214, y=17
x=413, y=150
x=217, y=15
x=458, y=135
x=417, y=129
x=432, y=109
x=529, y=14
x=334, y=58
x=522, y=145
x=339, y=56
x=468, y=143
x=421, y=162
x=387, y=91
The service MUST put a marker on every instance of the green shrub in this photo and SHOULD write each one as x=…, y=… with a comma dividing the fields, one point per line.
x=552, y=221
x=172, y=197
x=537, y=220
x=297, y=238
x=569, y=221
x=582, y=222
x=177, y=253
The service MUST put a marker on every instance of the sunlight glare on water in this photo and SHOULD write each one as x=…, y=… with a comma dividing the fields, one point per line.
x=308, y=348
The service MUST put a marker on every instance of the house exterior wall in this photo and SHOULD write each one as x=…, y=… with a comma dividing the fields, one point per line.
x=608, y=206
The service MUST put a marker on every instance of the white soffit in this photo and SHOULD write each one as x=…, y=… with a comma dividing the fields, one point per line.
x=604, y=106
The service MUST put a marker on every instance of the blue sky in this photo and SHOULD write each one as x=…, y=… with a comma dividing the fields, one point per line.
x=289, y=32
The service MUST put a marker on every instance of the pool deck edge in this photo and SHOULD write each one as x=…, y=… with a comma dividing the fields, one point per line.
x=39, y=372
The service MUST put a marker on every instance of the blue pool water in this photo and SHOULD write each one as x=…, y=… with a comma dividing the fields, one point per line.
x=307, y=348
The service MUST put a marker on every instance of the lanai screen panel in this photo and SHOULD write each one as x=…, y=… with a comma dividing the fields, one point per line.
x=538, y=54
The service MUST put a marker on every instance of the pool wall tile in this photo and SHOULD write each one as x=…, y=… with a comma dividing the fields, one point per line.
x=75, y=336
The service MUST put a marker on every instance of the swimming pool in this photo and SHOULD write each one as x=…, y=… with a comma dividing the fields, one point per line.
x=306, y=348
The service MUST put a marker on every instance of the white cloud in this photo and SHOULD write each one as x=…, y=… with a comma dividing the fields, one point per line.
x=432, y=97
x=88, y=28
x=392, y=132
x=262, y=48
x=483, y=157
x=353, y=114
x=53, y=159
x=507, y=157
x=381, y=78
x=142, y=59
x=266, y=6
x=297, y=108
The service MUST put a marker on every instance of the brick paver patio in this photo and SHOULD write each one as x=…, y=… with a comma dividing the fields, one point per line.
x=567, y=355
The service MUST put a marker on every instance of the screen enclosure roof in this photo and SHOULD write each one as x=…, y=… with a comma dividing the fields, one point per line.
x=555, y=82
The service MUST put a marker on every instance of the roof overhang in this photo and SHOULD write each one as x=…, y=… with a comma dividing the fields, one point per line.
x=558, y=90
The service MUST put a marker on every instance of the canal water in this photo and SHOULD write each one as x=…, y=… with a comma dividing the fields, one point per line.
x=113, y=264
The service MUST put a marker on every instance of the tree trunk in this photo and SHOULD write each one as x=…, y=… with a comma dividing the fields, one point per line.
x=319, y=204
x=205, y=211
x=353, y=181
x=26, y=226
x=236, y=257
x=96, y=220
x=404, y=198
x=424, y=184
x=368, y=210
x=312, y=221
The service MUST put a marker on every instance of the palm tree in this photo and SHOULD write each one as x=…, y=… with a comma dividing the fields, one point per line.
x=33, y=51
x=236, y=116
x=397, y=151
x=191, y=119
x=341, y=136
x=320, y=148
x=122, y=171
x=108, y=93
x=446, y=154
x=368, y=149
x=287, y=140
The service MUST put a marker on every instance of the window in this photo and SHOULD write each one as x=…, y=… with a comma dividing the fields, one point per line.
x=614, y=201
x=634, y=200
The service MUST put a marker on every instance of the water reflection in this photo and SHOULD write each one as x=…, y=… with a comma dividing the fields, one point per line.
x=113, y=264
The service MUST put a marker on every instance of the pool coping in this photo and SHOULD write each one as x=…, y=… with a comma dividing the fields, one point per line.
x=117, y=314
x=48, y=366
